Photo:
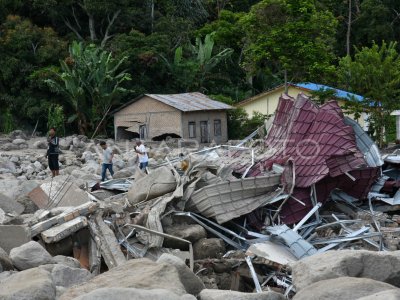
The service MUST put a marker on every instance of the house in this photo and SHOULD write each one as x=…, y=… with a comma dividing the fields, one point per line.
x=267, y=102
x=191, y=116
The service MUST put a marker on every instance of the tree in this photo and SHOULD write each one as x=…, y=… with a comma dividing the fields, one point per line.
x=26, y=51
x=374, y=72
x=192, y=71
x=91, y=81
x=289, y=36
x=86, y=19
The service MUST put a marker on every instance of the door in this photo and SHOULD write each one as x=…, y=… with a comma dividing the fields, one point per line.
x=143, y=132
x=204, y=132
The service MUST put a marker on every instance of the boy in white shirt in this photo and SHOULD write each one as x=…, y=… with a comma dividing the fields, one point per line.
x=142, y=152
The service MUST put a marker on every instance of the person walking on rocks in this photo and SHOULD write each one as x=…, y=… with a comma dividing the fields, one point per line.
x=53, y=151
x=107, y=160
x=142, y=152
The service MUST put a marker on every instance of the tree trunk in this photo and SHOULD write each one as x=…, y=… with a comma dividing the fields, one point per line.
x=348, y=31
x=92, y=29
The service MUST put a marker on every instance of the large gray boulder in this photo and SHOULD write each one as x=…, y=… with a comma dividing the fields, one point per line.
x=191, y=282
x=132, y=293
x=40, y=144
x=32, y=284
x=30, y=255
x=209, y=248
x=209, y=294
x=5, y=261
x=10, y=206
x=192, y=233
x=343, y=288
x=67, y=261
x=385, y=295
x=137, y=273
x=381, y=266
x=66, y=276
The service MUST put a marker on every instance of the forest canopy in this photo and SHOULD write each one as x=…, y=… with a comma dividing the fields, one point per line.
x=228, y=49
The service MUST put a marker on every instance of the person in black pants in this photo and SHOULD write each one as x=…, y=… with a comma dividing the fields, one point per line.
x=52, y=152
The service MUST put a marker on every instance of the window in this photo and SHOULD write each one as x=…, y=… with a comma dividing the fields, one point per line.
x=192, y=130
x=217, y=128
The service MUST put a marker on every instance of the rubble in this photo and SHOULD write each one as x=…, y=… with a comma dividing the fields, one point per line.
x=310, y=206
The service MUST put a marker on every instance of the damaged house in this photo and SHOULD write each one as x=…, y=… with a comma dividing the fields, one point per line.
x=189, y=116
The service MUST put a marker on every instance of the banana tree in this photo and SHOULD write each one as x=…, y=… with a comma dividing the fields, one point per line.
x=91, y=81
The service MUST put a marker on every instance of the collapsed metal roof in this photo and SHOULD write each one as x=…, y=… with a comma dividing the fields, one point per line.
x=328, y=151
x=190, y=101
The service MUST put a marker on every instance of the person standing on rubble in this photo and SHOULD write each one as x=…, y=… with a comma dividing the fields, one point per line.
x=53, y=151
x=107, y=160
x=142, y=153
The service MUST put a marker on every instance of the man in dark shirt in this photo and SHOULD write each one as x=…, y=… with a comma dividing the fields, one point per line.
x=52, y=152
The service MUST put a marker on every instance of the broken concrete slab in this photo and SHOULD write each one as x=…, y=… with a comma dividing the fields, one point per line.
x=68, y=215
x=35, y=284
x=136, y=273
x=12, y=236
x=107, y=242
x=343, y=288
x=209, y=294
x=132, y=293
x=57, y=233
x=30, y=255
x=190, y=281
x=274, y=254
x=382, y=266
x=60, y=191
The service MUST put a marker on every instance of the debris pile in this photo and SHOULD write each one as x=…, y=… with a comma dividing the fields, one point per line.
x=258, y=218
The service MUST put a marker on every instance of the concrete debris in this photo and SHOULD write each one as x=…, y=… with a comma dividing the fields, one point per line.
x=309, y=211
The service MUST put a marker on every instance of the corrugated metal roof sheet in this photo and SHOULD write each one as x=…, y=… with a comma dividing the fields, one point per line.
x=190, y=101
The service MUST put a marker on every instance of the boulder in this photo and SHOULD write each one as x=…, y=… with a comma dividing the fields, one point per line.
x=209, y=248
x=67, y=261
x=343, y=288
x=209, y=294
x=191, y=282
x=192, y=233
x=66, y=276
x=32, y=284
x=8, y=165
x=132, y=293
x=65, y=143
x=38, y=166
x=3, y=217
x=19, y=141
x=30, y=255
x=9, y=147
x=137, y=273
x=5, y=261
x=40, y=145
x=18, y=134
x=157, y=183
x=29, y=206
x=382, y=266
x=10, y=206
x=124, y=173
x=386, y=295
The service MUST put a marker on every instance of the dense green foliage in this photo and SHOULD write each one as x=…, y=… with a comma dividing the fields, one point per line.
x=76, y=57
